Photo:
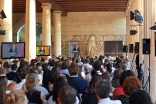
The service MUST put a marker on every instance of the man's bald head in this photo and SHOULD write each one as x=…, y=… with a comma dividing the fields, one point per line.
x=12, y=86
x=39, y=68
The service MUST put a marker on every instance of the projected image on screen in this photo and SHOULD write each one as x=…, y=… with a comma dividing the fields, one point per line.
x=13, y=50
x=113, y=48
x=43, y=50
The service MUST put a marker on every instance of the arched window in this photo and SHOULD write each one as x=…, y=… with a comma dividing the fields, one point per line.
x=38, y=34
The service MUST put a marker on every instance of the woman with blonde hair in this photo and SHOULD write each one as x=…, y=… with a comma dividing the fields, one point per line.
x=16, y=97
x=34, y=96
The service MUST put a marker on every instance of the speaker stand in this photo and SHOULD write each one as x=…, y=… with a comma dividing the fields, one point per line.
x=131, y=67
x=148, y=79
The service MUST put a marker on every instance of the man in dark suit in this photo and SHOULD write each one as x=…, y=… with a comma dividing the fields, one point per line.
x=91, y=97
x=76, y=49
x=12, y=75
x=78, y=83
x=13, y=51
x=41, y=51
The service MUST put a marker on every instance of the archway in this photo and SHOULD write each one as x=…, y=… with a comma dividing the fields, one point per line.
x=21, y=34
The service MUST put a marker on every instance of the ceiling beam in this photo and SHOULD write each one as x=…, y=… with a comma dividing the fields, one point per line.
x=55, y=6
x=58, y=7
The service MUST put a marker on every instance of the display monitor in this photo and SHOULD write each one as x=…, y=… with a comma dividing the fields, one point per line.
x=11, y=50
x=43, y=51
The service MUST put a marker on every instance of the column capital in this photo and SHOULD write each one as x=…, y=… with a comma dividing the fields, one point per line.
x=46, y=5
x=57, y=12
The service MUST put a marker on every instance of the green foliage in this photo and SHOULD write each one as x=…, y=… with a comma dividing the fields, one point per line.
x=38, y=34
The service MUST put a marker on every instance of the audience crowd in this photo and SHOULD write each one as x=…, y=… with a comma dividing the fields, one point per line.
x=70, y=80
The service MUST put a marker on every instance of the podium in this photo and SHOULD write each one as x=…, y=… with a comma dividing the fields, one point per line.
x=76, y=53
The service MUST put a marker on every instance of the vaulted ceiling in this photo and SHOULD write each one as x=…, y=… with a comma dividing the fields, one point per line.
x=75, y=5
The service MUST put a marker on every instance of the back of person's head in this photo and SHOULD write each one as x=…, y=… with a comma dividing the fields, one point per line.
x=67, y=95
x=14, y=67
x=64, y=76
x=32, y=70
x=107, y=61
x=45, y=66
x=91, y=61
x=87, y=60
x=130, y=84
x=103, y=88
x=118, y=67
x=73, y=59
x=106, y=76
x=7, y=65
x=73, y=69
x=140, y=97
x=94, y=72
x=33, y=64
x=97, y=65
x=39, y=69
x=55, y=72
x=117, y=74
x=0, y=63
x=94, y=80
x=16, y=97
x=58, y=84
x=109, y=67
x=31, y=83
x=21, y=72
x=38, y=64
x=64, y=65
x=124, y=66
x=12, y=86
x=124, y=75
x=2, y=71
x=52, y=63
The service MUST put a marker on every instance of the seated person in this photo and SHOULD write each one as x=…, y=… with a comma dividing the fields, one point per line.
x=143, y=97
x=67, y=95
x=91, y=98
x=30, y=89
x=16, y=97
x=102, y=90
x=78, y=83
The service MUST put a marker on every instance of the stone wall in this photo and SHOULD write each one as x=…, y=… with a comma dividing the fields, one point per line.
x=79, y=26
x=104, y=26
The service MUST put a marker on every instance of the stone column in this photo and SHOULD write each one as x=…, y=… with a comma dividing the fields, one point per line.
x=146, y=35
x=57, y=32
x=152, y=55
x=46, y=24
x=30, y=26
x=6, y=23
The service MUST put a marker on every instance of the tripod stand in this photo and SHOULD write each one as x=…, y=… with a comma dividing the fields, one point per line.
x=131, y=67
x=148, y=79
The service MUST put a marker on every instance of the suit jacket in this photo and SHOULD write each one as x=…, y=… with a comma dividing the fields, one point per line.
x=15, y=51
x=11, y=76
x=78, y=83
x=76, y=49
x=90, y=99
